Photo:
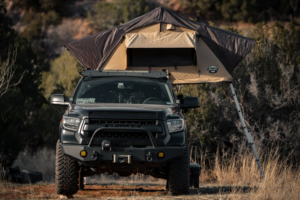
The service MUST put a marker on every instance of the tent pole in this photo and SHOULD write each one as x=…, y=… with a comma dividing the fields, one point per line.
x=248, y=135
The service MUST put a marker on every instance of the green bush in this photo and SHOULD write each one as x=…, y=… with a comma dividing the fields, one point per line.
x=38, y=16
x=267, y=83
x=242, y=10
x=20, y=103
x=62, y=77
x=106, y=15
x=38, y=6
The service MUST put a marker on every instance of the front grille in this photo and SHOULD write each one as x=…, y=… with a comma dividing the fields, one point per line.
x=123, y=115
x=123, y=123
x=121, y=137
x=125, y=135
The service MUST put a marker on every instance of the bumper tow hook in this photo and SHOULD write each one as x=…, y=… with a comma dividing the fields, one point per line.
x=94, y=155
x=149, y=156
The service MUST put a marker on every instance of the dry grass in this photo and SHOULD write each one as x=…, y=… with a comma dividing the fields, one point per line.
x=6, y=188
x=282, y=181
x=232, y=177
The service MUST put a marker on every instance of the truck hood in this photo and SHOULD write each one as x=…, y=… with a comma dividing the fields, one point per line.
x=132, y=111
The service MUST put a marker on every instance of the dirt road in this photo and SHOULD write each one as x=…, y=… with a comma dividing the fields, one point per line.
x=46, y=191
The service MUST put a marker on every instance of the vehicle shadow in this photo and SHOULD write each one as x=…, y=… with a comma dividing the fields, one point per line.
x=200, y=190
x=125, y=189
x=220, y=189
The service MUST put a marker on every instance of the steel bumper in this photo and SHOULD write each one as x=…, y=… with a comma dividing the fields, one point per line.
x=96, y=156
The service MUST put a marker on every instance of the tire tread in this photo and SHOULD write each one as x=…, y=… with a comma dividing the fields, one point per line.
x=178, y=176
x=66, y=173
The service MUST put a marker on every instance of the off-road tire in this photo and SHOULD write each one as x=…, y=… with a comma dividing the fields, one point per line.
x=194, y=181
x=66, y=173
x=179, y=174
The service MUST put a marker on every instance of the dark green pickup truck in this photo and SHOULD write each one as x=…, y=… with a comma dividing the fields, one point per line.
x=126, y=122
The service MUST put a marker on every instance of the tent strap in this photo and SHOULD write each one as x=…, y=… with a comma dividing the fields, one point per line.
x=248, y=135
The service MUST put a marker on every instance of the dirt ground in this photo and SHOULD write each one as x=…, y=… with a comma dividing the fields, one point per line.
x=115, y=191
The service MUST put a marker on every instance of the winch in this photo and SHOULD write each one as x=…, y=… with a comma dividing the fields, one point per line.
x=106, y=145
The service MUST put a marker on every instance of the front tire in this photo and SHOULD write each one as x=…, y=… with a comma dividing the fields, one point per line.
x=179, y=174
x=194, y=181
x=66, y=173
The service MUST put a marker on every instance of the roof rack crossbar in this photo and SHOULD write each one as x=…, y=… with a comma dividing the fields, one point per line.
x=130, y=73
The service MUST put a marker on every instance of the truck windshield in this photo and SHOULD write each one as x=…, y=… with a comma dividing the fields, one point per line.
x=123, y=90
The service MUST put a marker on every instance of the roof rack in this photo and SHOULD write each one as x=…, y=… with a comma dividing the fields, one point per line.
x=131, y=73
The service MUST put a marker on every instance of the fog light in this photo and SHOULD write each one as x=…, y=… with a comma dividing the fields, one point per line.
x=161, y=154
x=83, y=153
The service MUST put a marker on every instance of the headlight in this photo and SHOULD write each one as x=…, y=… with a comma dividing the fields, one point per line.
x=175, y=125
x=71, y=123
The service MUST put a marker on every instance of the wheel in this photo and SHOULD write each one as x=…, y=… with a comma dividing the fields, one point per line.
x=66, y=173
x=179, y=174
x=191, y=181
x=196, y=181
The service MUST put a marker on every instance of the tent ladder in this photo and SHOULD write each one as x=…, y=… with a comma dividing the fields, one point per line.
x=248, y=135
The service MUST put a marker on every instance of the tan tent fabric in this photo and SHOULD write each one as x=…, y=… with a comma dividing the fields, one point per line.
x=161, y=40
x=184, y=75
x=181, y=75
x=164, y=28
x=207, y=58
x=94, y=50
x=117, y=59
x=157, y=36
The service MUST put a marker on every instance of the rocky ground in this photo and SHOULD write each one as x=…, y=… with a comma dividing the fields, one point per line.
x=119, y=191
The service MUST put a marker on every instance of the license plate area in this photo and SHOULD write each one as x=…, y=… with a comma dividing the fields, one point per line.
x=121, y=158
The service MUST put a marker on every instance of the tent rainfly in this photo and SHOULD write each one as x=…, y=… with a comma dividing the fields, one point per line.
x=192, y=52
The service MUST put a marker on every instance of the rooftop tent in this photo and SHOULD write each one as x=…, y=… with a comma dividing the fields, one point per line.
x=193, y=52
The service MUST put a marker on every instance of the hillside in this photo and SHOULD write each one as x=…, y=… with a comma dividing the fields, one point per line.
x=49, y=27
x=49, y=38
x=267, y=82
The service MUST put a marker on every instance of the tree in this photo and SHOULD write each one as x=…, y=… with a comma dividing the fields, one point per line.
x=7, y=72
x=63, y=75
x=20, y=103
x=268, y=88
x=38, y=17
x=242, y=10
x=105, y=15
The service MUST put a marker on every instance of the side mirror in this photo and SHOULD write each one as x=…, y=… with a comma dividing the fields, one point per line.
x=190, y=102
x=58, y=99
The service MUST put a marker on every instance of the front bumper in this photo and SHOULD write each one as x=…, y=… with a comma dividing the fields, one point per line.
x=97, y=157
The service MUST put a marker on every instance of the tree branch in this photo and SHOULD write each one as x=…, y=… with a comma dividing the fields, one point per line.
x=7, y=72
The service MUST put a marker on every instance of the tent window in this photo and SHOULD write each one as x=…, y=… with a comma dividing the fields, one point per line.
x=171, y=27
x=161, y=57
